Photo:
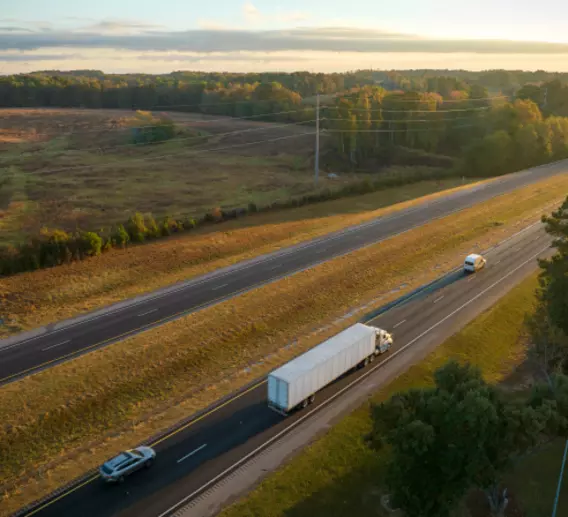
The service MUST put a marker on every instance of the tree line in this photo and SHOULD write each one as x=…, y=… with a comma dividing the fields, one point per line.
x=54, y=247
x=198, y=92
x=464, y=433
x=487, y=137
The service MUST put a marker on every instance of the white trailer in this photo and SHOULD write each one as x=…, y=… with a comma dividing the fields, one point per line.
x=296, y=383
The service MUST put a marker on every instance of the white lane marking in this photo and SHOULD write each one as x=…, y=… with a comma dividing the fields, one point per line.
x=146, y=313
x=219, y=287
x=54, y=346
x=399, y=324
x=192, y=453
x=275, y=267
x=471, y=278
x=244, y=459
x=518, y=248
x=279, y=254
x=438, y=299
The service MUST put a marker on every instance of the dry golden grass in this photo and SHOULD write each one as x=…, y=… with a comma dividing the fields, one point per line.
x=62, y=421
x=340, y=471
x=78, y=168
x=33, y=299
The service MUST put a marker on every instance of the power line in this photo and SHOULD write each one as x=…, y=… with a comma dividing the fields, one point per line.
x=389, y=98
x=217, y=135
x=458, y=110
x=198, y=105
x=394, y=130
x=164, y=156
x=145, y=144
x=188, y=124
x=405, y=121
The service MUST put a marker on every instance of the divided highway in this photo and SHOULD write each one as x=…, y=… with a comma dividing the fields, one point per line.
x=21, y=358
x=193, y=458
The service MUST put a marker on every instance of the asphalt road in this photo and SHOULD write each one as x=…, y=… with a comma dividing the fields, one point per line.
x=21, y=358
x=190, y=459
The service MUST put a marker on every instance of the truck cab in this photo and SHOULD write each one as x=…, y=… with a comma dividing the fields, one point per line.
x=383, y=341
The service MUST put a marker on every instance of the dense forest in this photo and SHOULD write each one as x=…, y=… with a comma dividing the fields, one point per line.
x=249, y=94
x=470, y=124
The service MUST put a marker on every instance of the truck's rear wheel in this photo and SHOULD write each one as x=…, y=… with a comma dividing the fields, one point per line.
x=312, y=399
x=305, y=403
x=371, y=358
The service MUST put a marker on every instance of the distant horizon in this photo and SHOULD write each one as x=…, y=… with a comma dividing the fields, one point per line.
x=250, y=36
x=292, y=71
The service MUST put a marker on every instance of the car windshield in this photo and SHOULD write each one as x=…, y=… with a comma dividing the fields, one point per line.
x=106, y=469
x=469, y=263
x=136, y=454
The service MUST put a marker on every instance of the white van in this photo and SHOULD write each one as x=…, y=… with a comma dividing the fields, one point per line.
x=474, y=263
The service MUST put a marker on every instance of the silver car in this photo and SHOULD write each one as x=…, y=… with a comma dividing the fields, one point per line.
x=127, y=462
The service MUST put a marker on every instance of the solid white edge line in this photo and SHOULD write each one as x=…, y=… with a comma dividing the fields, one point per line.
x=494, y=248
x=399, y=324
x=339, y=234
x=244, y=459
x=192, y=453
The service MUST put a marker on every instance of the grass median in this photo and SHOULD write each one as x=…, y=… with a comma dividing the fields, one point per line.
x=60, y=422
x=30, y=300
x=339, y=475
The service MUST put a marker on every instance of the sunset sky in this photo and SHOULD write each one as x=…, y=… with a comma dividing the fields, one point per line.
x=260, y=35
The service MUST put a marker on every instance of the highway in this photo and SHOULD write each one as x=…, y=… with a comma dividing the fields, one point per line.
x=193, y=458
x=67, y=340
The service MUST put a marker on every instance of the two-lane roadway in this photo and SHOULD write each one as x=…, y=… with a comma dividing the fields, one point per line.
x=194, y=458
x=19, y=358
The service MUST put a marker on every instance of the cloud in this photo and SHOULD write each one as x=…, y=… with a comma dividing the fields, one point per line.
x=331, y=39
x=221, y=57
x=15, y=29
x=17, y=57
x=119, y=26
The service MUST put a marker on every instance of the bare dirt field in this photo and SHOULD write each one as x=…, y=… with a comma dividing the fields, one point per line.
x=74, y=168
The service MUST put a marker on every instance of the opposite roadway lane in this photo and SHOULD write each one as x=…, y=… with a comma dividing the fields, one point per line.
x=27, y=356
x=192, y=459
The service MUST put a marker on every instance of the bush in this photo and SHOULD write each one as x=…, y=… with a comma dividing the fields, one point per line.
x=54, y=247
x=90, y=243
x=215, y=215
x=136, y=228
x=152, y=229
x=120, y=237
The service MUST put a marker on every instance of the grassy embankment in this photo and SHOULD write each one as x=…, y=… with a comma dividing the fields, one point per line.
x=70, y=168
x=62, y=421
x=33, y=299
x=339, y=475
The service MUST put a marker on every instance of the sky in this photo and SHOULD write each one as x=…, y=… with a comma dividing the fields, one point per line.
x=271, y=35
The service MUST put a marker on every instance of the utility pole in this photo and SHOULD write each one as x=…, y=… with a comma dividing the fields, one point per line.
x=316, y=178
x=560, y=480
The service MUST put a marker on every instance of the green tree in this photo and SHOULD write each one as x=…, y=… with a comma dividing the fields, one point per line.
x=456, y=435
x=489, y=156
x=527, y=147
x=532, y=92
x=553, y=293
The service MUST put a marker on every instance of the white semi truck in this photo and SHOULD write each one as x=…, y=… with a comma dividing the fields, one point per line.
x=295, y=384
